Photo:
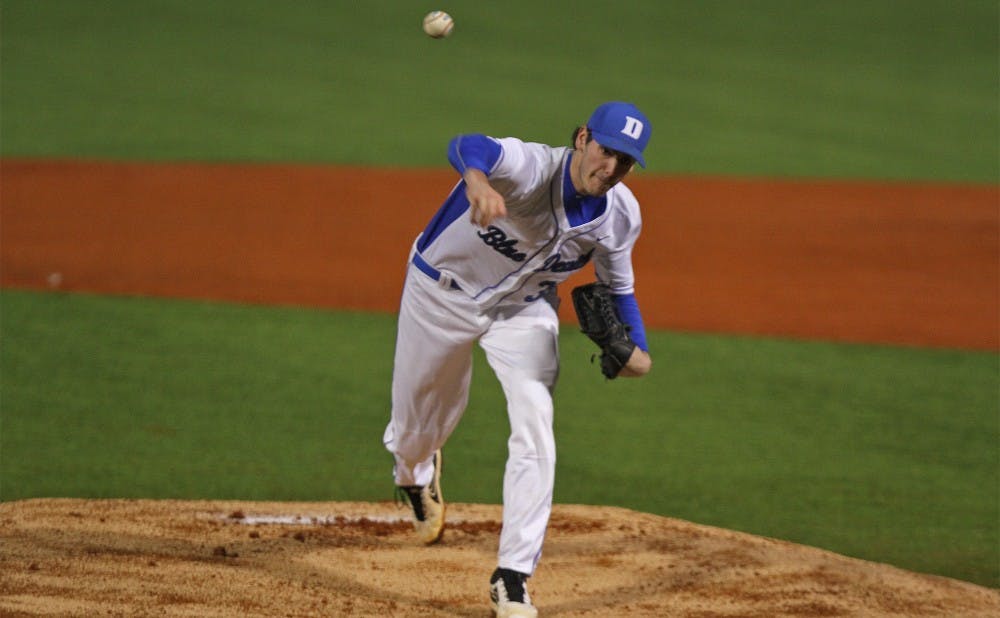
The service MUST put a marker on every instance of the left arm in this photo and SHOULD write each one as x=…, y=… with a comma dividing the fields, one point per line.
x=640, y=362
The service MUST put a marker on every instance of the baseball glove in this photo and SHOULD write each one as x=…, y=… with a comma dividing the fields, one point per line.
x=600, y=320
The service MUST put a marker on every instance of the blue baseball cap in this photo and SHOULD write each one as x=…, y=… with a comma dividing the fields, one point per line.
x=621, y=126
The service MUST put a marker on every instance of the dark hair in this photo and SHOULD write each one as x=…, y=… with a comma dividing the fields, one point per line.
x=576, y=132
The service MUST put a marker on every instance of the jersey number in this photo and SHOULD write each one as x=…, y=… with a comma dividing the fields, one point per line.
x=546, y=287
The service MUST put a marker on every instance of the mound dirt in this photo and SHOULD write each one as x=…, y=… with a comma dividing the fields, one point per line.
x=169, y=558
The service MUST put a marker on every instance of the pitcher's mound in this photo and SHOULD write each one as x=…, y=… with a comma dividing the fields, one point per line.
x=168, y=558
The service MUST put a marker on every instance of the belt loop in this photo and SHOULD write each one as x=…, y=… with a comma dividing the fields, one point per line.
x=444, y=280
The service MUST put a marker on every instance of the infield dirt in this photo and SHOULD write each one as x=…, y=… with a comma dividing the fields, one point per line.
x=911, y=264
x=864, y=262
x=165, y=558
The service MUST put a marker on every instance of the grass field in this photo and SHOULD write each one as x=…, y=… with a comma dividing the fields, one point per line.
x=884, y=453
x=858, y=88
x=876, y=452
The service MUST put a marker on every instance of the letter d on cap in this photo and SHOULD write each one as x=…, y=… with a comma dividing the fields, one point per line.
x=633, y=127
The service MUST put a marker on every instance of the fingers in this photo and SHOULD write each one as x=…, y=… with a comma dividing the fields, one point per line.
x=485, y=203
x=483, y=212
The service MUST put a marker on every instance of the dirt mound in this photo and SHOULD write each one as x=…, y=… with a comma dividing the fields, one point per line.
x=216, y=558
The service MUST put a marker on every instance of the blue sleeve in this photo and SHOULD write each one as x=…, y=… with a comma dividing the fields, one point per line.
x=628, y=307
x=476, y=151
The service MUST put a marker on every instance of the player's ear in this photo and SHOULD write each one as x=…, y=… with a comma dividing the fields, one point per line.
x=580, y=138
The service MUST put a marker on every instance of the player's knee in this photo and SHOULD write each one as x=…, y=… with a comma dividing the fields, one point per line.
x=533, y=439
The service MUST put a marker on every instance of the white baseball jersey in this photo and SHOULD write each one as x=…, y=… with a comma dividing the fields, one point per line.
x=523, y=256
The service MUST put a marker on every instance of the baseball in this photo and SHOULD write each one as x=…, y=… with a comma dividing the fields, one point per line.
x=438, y=24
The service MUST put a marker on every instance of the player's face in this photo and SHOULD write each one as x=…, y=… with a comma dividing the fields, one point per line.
x=598, y=168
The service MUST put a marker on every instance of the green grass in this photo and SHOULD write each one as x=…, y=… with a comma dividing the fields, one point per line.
x=856, y=88
x=882, y=453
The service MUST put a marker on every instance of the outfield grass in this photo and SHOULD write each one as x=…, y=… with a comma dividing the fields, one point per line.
x=882, y=453
x=855, y=88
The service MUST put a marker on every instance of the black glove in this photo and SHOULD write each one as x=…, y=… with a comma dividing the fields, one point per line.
x=600, y=320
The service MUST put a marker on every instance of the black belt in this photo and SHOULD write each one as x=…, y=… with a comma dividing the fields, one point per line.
x=429, y=270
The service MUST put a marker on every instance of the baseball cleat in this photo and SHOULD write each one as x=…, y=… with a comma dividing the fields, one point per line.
x=509, y=595
x=428, y=506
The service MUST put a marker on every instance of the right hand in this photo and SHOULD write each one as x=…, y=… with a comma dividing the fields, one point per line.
x=485, y=203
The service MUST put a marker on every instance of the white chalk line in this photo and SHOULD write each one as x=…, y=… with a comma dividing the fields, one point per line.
x=318, y=520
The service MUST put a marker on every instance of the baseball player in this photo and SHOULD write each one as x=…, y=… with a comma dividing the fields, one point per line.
x=523, y=218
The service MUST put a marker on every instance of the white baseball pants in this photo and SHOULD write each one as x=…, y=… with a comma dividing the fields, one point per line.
x=430, y=390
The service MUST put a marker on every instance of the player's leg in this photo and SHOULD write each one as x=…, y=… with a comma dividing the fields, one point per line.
x=430, y=386
x=523, y=351
x=431, y=373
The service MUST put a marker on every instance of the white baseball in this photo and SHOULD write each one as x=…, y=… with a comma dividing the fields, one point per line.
x=438, y=24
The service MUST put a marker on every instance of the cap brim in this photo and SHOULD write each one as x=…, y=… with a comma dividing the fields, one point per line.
x=621, y=145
